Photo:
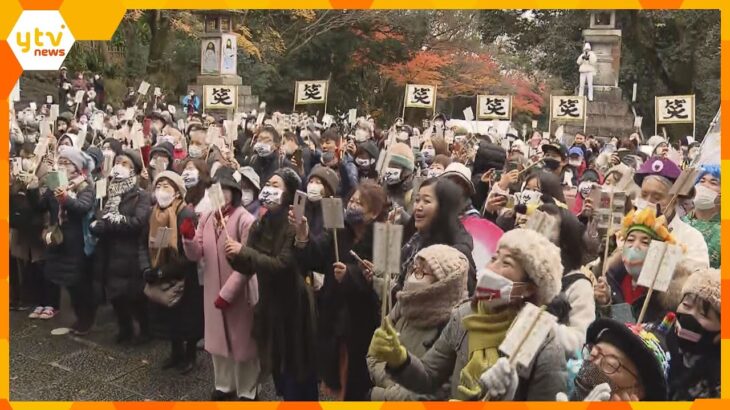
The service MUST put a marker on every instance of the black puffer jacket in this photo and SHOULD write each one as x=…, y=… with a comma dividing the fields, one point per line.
x=66, y=262
x=117, y=257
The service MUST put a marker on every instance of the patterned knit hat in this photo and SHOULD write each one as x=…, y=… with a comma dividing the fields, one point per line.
x=539, y=258
x=706, y=285
x=647, y=222
x=173, y=177
x=443, y=260
x=402, y=155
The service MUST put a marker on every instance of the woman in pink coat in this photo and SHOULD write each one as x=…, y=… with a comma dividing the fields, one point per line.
x=229, y=297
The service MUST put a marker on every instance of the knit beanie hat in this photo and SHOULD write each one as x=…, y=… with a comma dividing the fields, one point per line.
x=327, y=175
x=164, y=148
x=136, y=159
x=401, y=155
x=176, y=180
x=706, y=285
x=443, y=260
x=647, y=222
x=96, y=155
x=370, y=147
x=114, y=145
x=539, y=258
x=489, y=156
x=77, y=157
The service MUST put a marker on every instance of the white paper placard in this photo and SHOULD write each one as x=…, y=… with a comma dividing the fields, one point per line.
x=129, y=113
x=468, y=114
x=215, y=194
x=526, y=336
x=352, y=116
x=33, y=107
x=54, y=112
x=101, y=188
x=79, y=97
x=220, y=97
x=567, y=107
x=332, y=213
x=157, y=92
x=387, y=245
x=669, y=255
x=420, y=96
x=675, y=109
x=494, y=107
x=311, y=92
x=144, y=87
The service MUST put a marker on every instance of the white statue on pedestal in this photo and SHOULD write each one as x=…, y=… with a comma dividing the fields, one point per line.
x=587, y=68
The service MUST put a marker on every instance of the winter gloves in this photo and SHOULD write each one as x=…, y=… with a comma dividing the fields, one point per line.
x=602, y=392
x=386, y=347
x=500, y=381
x=187, y=229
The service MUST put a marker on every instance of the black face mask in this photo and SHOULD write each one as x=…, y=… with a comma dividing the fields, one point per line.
x=550, y=164
x=689, y=329
x=589, y=376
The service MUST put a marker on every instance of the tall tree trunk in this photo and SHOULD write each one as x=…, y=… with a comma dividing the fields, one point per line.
x=159, y=23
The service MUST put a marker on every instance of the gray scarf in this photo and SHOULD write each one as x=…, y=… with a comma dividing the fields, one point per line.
x=114, y=197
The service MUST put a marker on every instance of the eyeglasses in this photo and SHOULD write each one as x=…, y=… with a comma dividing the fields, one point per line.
x=609, y=364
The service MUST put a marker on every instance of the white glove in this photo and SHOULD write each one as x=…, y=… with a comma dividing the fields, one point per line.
x=602, y=392
x=500, y=381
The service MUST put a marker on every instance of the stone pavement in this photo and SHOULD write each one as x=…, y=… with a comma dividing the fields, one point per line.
x=94, y=368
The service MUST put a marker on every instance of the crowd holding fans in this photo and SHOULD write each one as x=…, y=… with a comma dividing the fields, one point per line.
x=119, y=207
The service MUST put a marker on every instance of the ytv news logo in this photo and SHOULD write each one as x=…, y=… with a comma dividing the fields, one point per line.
x=41, y=40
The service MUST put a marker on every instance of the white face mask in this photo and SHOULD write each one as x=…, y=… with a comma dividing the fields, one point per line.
x=402, y=136
x=262, y=149
x=575, y=162
x=314, y=192
x=247, y=197
x=493, y=290
x=26, y=164
x=428, y=153
x=391, y=176
x=164, y=198
x=530, y=197
x=190, y=177
x=159, y=164
x=704, y=198
x=119, y=171
x=363, y=162
x=361, y=135
x=641, y=203
x=194, y=151
x=270, y=196
x=584, y=189
x=434, y=172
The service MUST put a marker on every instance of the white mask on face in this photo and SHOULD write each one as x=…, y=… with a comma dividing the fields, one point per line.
x=493, y=290
x=704, y=198
x=119, y=171
x=262, y=149
x=530, y=197
x=363, y=162
x=391, y=176
x=26, y=164
x=190, y=177
x=314, y=192
x=164, y=198
x=575, y=162
x=428, y=154
x=194, y=151
x=270, y=196
x=641, y=203
x=434, y=172
x=247, y=197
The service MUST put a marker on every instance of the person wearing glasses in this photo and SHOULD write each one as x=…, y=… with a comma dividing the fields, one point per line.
x=623, y=362
x=525, y=268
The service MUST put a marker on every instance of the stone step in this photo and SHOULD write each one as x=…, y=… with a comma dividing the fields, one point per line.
x=607, y=108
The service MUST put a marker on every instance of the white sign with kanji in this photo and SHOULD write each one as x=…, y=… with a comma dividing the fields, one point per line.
x=311, y=92
x=494, y=107
x=568, y=107
x=420, y=96
x=220, y=96
x=675, y=109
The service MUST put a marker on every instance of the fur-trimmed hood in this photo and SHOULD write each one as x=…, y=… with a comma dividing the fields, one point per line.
x=431, y=306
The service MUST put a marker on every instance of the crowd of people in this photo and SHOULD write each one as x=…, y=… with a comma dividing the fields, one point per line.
x=119, y=207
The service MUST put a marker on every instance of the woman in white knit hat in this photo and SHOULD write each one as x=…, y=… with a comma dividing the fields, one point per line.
x=526, y=268
x=694, y=370
x=434, y=286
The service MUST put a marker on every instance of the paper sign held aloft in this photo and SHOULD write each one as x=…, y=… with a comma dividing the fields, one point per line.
x=534, y=124
x=468, y=114
x=41, y=148
x=352, y=116
x=129, y=113
x=541, y=222
x=56, y=179
x=49, y=99
x=659, y=265
x=137, y=138
x=97, y=121
x=181, y=124
x=79, y=97
x=260, y=118
x=215, y=194
x=637, y=121
x=415, y=141
x=684, y=184
x=161, y=238
x=332, y=213
x=387, y=245
x=300, y=201
x=54, y=112
x=33, y=107
x=101, y=188
x=144, y=87
x=16, y=165
x=526, y=336
x=44, y=129
x=157, y=92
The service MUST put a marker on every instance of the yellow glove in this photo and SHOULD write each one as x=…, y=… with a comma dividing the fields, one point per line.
x=386, y=347
x=469, y=387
